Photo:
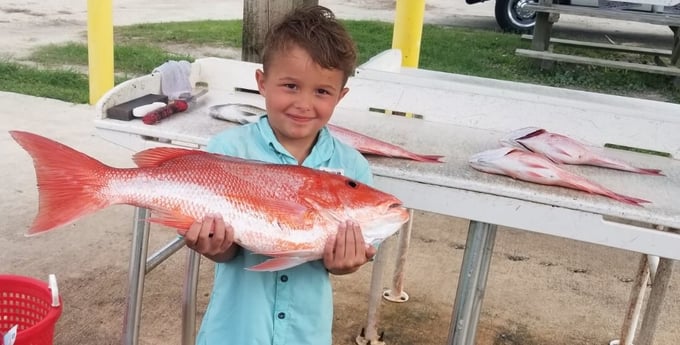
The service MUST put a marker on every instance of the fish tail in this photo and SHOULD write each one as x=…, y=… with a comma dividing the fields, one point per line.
x=581, y=183
x=68, y=181
x=619, y=165
x=428, y=158
x=626, y=199
x=646, y=171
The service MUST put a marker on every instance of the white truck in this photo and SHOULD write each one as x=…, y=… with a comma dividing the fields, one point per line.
x=514, y=16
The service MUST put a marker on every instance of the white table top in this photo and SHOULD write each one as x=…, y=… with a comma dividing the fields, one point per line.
x=469, y=193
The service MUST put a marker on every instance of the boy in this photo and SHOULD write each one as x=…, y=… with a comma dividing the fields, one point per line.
x=307, y=59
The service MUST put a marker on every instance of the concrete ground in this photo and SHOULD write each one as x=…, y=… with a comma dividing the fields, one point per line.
x=541, y=290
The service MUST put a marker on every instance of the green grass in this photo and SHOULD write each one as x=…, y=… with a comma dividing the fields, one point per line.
x=140, y=48
x=128, y=58
x=58, y=84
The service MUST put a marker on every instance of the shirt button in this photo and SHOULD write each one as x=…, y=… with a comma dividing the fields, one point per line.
x=282, y=316
x=284, y=278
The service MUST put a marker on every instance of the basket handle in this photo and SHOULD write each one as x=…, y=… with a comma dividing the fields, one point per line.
x=54, y=289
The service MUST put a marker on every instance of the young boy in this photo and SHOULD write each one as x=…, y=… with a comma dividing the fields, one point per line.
x=307, y=60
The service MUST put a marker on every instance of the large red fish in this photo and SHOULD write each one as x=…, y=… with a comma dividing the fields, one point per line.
x=562, y=149
x=527, y=166
x=283, y=211
x=245, y=113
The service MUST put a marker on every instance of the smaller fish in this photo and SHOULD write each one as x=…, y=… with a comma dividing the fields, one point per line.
x=562, y=149
x=244, y=113
x=368, y=145
x=527, y=166
x=236, y=112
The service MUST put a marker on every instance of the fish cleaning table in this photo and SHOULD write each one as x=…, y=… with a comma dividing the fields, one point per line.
x=461, y=116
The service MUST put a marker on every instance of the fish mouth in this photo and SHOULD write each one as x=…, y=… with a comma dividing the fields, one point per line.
x=398, y=212
x=395, y=205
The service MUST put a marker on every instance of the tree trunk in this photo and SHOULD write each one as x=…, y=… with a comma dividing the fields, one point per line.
x=258, y=16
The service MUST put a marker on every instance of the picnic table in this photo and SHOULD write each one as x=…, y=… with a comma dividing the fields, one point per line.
x=664, y=12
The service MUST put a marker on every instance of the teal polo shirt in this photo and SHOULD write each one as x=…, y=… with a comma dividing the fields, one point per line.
x=288, y=307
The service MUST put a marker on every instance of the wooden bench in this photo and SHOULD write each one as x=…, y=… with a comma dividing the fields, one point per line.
x=548, y=13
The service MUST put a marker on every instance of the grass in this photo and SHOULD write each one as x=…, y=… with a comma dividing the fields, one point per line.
x=140, y=48
x=65, y=85
x=128, y=58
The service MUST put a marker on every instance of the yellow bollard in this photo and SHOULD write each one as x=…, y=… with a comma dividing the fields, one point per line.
x=100, y=47
x=408, y=30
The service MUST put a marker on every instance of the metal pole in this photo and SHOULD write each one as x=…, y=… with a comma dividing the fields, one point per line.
x=637, y=295
x=408, y=30
x=655, y=301
x=472, y=283
x=162, y=254
x=189, y=298
x=100, y=47
x=140, y=243
x=397, y=293
x=369, y=335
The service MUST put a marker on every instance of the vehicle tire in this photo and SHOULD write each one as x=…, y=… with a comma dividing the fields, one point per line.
x=512, y=16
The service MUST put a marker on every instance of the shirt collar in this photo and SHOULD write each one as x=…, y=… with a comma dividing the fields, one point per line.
x=320, y=154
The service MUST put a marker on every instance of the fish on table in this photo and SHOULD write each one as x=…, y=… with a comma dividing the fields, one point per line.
x=245, y=113
x=286, y=212
x=563, y=149
x=531, y=167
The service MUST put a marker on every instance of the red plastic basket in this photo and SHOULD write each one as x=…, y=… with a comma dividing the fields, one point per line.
x=28, y=303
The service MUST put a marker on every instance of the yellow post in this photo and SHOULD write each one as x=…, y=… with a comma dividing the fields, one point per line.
x=100, y=47
x=408, y=30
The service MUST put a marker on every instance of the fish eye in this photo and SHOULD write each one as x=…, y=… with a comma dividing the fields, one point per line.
x=352, y=184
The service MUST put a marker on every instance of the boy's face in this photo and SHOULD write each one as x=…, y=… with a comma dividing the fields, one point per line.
x=300, y=95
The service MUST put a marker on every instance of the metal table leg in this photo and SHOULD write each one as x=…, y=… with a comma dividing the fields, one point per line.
x=397, y=293
x=369, y=335
x=140, y=242
x=189, y=298
x=472, y=283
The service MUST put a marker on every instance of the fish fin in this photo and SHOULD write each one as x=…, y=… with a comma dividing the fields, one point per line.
x=534, y=174
x=429, y=158
x=324, y=211
x=369, y=151
x=278, y=264
x=292, y=214
x=68, y=181
x=156, y=156
x=616, y=164
x=627, y=199
x=286, y=253
x=172, y=219
x=646, y=171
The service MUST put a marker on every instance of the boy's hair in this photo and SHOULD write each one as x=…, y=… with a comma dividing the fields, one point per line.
x=314, y=29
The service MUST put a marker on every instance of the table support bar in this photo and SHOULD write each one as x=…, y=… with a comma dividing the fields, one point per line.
x=189, y=298
x=162, y=254
x=140, y=244
x=397, y=293
x=472, y=283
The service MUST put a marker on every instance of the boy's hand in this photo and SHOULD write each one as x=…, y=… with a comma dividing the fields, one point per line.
x=347, y=251
x=211, y=237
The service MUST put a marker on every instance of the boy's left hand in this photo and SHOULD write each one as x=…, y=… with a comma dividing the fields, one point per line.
x=347, y=251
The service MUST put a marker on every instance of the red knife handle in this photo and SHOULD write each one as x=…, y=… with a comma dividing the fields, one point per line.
x=165, y=112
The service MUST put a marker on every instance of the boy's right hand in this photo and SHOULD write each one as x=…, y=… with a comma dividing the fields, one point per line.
x=211, y=237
